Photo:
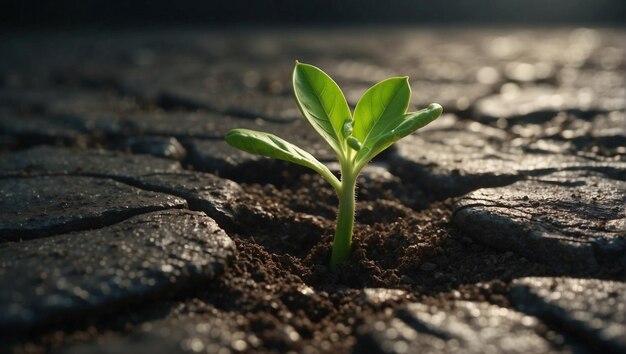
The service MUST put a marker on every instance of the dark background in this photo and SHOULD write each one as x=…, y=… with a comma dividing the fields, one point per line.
x=121, y=13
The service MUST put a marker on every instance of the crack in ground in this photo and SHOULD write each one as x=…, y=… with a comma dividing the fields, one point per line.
x=191, y=203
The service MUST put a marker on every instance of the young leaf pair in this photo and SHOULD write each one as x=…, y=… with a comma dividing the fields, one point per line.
x=380, y=118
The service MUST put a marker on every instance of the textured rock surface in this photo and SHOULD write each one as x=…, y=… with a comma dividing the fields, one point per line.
x=67, y=111
x=466, y=327
x=596, y=137
x=216, y=156
x=206, y=334
x=206, y=192
x=453, y=162
x=35, y=126
x=184, y=124
x=568, y=218
x=246, y=103
x=603, y=135
x=37, y=99
x=590, y=308
x=450, y=162
x=92, y=112
x=33, y=207
x=156, y=146
x=202, y=191
x=135, y=260
x=544, y=102
x=44, y=160
x=538, y=113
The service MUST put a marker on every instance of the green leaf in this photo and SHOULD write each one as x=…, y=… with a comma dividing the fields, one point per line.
x=408, y=123
x=381, y=106
x=416, y=120
x=380, y=110
x=322, y=103
x=261, y=143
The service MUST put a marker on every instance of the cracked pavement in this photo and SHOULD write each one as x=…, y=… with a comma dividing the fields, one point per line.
x=117, y=188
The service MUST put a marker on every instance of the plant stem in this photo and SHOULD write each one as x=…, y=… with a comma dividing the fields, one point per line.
x=345, y=219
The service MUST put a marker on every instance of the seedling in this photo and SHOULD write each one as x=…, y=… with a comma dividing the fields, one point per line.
x=380, y=119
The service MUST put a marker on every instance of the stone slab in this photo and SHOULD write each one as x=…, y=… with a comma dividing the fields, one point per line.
x=573, y=219
x=139, y=259
x=202, y=191
x=32, y=207
x=461, y=326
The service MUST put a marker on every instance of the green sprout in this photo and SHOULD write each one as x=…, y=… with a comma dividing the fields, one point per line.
x=380, y=119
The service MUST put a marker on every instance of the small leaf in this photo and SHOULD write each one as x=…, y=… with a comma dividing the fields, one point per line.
x=261, y=143
x=354, y=143
x=416, y=120
x=380, y=108
x=410, y=122
x=322, y=103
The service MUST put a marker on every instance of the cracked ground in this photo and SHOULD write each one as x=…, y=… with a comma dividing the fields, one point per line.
x=128, y=225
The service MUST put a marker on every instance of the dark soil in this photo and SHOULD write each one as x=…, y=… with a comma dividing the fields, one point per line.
x=280, y=278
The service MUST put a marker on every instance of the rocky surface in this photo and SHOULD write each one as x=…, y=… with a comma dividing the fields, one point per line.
x=247, y=103
x=67, y=112
x=216, y=156
x=113, y=170
x=454, y=162
x=168, y=147
x=93, y=271
x=203, y=191
x=461, y=326
x=33, y=207
x=539, y=103
x=589, y=308
x=45, y=160
x=206, y=334
x=568, y=218
x=36, y=127
x=198, y=124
